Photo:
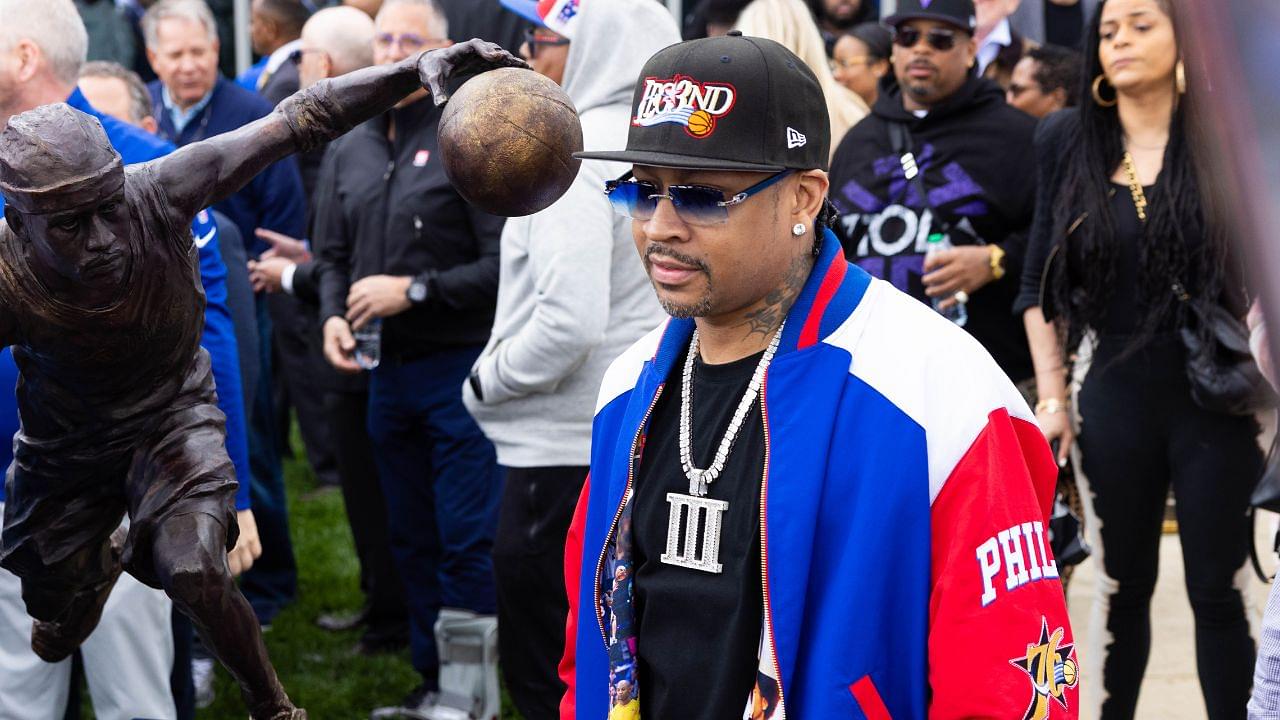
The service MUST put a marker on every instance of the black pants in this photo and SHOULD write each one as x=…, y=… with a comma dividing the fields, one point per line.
x=528, y=559
x=388, y=617
x=1142, y=433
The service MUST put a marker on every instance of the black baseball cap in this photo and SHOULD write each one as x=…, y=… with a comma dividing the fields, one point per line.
x=959, y=13
x=726, y=103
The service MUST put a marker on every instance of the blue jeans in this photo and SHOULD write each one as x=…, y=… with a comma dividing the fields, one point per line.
x=442, y=485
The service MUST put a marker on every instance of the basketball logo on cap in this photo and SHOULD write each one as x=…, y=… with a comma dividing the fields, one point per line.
x=684, y=101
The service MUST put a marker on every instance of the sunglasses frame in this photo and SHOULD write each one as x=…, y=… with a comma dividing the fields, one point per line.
x=531, y=38
x=674, y=193
x=931, y=37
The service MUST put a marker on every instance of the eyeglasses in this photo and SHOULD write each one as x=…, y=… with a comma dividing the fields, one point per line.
x=694, y=204
x=411, y=42
x=534, y=38
x=940, y=39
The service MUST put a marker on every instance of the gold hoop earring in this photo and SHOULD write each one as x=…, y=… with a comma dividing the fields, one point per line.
x=1097, y=93
x=1180, y=78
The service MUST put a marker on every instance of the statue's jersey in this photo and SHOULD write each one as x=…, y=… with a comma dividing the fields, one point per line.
x=117, y=405
x=95, y=372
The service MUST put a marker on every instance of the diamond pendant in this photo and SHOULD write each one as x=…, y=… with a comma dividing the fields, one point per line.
x=694, y=514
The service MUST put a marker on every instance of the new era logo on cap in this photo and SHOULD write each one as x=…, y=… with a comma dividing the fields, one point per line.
x=795, y=139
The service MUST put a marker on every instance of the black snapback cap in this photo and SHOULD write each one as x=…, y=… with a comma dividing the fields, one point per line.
x=959, y=13
x=726, y=103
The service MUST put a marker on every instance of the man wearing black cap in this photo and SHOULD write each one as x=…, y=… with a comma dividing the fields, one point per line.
x=810, y=496
x=942, y=158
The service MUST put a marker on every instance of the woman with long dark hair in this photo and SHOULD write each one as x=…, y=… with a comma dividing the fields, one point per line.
x=1127, y=235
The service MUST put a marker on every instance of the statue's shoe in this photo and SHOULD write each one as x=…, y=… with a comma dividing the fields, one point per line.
x=287, y=713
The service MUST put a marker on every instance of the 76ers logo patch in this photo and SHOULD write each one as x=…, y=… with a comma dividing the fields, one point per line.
x=1052, y=669
x=684, y=101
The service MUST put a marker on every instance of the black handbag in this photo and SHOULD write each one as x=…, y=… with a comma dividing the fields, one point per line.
x=1224, y=375
x=1066, y=529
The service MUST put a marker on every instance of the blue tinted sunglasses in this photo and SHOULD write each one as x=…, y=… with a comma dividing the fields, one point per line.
x=694, y=204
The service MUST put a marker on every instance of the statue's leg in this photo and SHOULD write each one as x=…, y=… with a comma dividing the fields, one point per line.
x=83, y=582
x=190, y=562
x=181, y=493
x=58, y=539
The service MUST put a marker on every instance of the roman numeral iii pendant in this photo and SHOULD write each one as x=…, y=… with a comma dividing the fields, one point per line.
x=699, y=519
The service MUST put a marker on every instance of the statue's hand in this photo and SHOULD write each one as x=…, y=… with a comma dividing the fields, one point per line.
x=436, y=67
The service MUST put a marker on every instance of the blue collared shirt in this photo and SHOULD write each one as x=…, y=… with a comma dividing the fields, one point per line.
x=182, y=118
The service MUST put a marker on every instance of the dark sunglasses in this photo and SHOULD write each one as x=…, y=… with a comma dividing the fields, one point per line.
x=694, y=204
x=940, y=39
x=534, y=39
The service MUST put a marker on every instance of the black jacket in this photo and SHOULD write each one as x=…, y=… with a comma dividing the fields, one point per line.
x=975, y=155
x=387, y=208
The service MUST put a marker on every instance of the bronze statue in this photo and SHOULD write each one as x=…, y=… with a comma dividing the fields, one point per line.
x=100, y=298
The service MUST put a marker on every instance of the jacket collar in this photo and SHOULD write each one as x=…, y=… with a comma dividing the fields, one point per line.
x=829, y=297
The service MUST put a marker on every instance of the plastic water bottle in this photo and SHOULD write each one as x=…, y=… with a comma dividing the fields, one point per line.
x=369, y=344
x=957, y=314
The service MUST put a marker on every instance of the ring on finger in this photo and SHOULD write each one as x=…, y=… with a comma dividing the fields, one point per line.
x=961, y=297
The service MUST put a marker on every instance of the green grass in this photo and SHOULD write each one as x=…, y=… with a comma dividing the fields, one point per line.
x=318, y=668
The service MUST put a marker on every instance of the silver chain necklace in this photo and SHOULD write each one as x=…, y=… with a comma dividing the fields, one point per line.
x=703, y=513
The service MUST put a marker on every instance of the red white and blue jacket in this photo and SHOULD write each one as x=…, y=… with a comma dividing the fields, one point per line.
x=904, y=504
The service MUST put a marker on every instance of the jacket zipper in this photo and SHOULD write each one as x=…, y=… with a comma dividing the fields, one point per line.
x=764, y=546
x=417, y=227
x=626, y=495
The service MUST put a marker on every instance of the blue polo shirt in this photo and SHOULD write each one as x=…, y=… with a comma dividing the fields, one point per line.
x=136, y=146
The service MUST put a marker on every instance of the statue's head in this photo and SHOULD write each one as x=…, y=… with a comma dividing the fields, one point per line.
x=64, y=185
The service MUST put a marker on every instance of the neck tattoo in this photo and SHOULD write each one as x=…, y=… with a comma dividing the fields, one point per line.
x=697, y=511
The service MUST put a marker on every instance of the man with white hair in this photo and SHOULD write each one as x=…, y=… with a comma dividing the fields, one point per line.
x=193, y=102
x=129, y=657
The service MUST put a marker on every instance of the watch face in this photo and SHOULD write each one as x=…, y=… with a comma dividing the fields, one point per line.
x=417, y=292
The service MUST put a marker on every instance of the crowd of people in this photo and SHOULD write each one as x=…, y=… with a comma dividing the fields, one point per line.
x=513, y=439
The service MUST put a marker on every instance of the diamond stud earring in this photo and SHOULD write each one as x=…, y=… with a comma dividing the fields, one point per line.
x=798, y=229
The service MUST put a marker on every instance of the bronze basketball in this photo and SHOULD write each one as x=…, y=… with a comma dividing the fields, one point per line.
x=507, y=139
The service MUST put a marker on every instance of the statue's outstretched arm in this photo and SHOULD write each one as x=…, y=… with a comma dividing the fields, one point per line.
x=205, y=172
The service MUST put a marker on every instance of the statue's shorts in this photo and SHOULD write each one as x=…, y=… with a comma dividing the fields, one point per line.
x=65, y=497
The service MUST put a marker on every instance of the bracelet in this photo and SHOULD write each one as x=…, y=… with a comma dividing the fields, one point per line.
x=1051, y=406
x=997, y=261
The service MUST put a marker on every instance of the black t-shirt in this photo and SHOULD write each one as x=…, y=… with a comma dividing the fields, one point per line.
x=698, y=633
x=1125, y=309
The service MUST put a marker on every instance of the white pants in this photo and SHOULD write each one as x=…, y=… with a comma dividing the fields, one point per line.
x=127, y=659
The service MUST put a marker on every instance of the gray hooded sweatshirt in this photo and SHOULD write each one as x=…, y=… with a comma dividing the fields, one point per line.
x=572, y=291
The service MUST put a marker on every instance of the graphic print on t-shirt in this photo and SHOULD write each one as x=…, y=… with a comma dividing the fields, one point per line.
x=890, y=233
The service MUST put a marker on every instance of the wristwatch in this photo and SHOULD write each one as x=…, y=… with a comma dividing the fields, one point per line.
x=417, y=292
x=997, y=262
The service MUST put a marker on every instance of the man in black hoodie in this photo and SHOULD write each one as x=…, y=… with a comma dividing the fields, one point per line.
x=938, y=126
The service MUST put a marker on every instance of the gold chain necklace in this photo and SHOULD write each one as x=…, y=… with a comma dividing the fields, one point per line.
x=1135, y=187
